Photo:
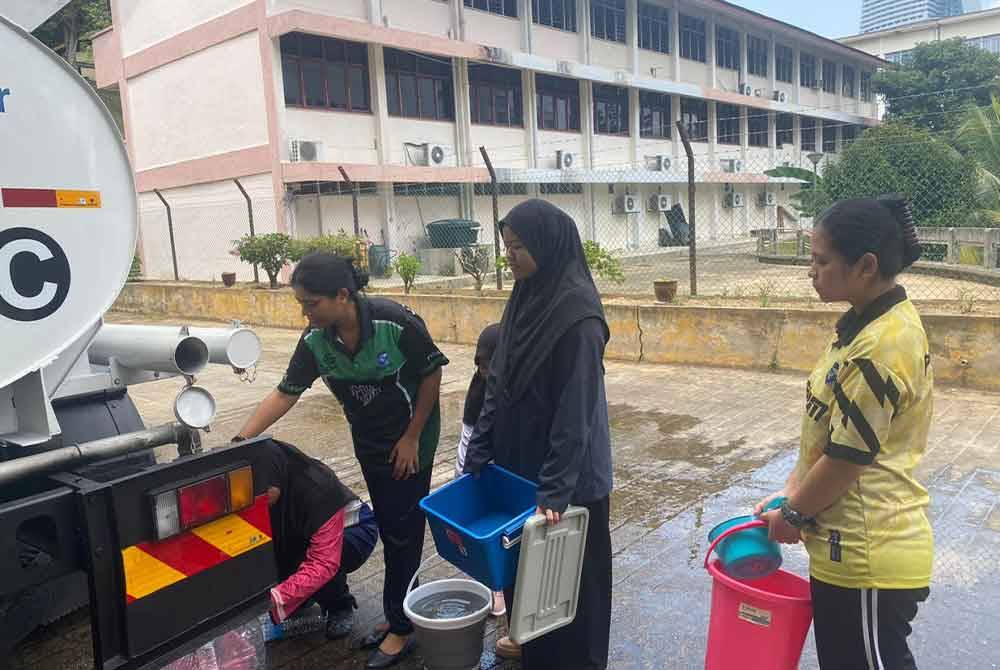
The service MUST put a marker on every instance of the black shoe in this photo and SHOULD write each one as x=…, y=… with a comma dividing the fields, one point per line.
x=380, y=659
x=373, y=639
x=339, y=623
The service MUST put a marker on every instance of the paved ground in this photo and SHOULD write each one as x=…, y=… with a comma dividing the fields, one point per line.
x=693, y=446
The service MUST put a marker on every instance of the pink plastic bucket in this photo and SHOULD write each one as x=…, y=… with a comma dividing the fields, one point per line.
x=760, y=625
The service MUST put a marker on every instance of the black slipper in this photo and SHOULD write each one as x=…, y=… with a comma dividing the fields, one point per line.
x=373, y=639
x=380, y=659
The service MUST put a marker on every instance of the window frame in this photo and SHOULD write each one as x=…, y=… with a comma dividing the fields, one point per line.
x=497, y=7
x=608, y=95
x=615, y=10
x=757, y=62
x=727, y=49
x=441, y=84
x=781, y=63
x=865, y=91
x=694, y=125
x=427, y=189
x=807, y=71
x=324, y=62
x=728, y=126
x=569, y=17
x=652, y=101
x=693, y=40
x=572, y=100
x=513, y=90
x=831, y=126
x=503, y=188
x=780, y=132
x=847, y=76
x=758, y=136
x=654, y=22
x=845, y=130
x=829, y=85
x=807, y=129
x=560, y=188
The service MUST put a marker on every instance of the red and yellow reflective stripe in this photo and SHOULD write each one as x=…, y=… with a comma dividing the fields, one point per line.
x=152, y=566
x=50, y=197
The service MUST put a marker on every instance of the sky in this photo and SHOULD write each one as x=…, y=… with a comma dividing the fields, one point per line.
x=829, y=19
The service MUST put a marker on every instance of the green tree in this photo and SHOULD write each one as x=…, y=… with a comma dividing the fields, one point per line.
x=271, y=251
x=937, y=83
x=408, y=268
x=940, y=183
x=979, y=137
x=63, y=31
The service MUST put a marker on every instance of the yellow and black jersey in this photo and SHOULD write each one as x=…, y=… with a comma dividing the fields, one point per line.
x=869, y=401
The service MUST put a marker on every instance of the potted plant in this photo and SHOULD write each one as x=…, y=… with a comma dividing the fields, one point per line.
x=665, y=290
x=271, y=251
x=228, y=279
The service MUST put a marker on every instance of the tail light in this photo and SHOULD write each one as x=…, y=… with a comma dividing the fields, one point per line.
x=179, y=509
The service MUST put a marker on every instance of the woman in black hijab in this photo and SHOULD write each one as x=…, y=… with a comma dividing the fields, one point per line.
x=545, y=414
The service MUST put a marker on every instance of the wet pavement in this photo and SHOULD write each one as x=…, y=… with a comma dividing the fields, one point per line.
x=692, y=447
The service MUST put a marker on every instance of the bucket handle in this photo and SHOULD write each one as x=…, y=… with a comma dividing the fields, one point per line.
x=508, y=539
x=756, y=523
x=409, y=587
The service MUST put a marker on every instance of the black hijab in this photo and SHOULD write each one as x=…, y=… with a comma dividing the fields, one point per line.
x=543, y=307
x=485, y=347
x=310, y=495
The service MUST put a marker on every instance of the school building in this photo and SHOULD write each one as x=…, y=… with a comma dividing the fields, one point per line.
x=574, y=100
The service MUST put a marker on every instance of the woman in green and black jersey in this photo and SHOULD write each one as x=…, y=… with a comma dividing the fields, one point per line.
x=378, y=359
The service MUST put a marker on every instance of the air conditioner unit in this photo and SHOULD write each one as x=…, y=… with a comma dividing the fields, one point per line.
x=564, y=160
x=434, y=154
x=746, y=89
x=734, y=200
x=767, y=199
x=658, y=163
x=305, y=151
x=727, y=188
x=658, y=203
x=497, y=55
x=758, y=92
x=627, y=204
x=780, y=96
x=732, y=165
x=564, y=67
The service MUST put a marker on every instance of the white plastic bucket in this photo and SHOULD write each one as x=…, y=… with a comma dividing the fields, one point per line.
x=449, y=644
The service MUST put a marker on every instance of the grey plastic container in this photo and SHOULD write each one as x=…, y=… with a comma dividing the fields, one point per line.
x=549, y=566
x=449, y=644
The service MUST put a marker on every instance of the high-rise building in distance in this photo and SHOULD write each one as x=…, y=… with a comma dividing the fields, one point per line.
x=885, y=14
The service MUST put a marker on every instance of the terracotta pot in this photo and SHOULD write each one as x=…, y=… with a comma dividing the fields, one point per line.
x=228, y=278
x=665, y=290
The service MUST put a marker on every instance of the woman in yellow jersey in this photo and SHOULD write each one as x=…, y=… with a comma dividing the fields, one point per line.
x=852, y=497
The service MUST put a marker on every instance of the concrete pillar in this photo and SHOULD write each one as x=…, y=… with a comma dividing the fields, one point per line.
x=632, y=34
x=463, y=121
x=744, y=132
x=530, y=117
x=583, y=28
x=675, y=39
x=524, y=11
x=796, y=73
x=380, y=102
x=819, y=78
x=635, y=128
x=587, y=120
x=772, y=82
x=772, y=136
x=675, y=114
x=713, y=129
x=744, y=66
x=797, y=137
x=710, y=51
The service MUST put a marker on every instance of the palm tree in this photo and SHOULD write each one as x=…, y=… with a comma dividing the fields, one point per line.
x=979, y=136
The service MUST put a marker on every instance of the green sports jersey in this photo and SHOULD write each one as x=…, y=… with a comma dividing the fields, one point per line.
x=378, y=385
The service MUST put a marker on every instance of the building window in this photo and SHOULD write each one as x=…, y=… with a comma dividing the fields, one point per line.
x=829, y=137
x=757, y=56
x=757, y=124
x=501, y=7
x=610, y=110
x=655, y=118
x=783, y=63
x=503, y=188
x=989, y=43
x=693, y=33
x=847, y=84
x=807, y=70
x=560, y=189
x=866, y=87
x=727, y=124
x=495, y=95
x=324, y=72
x=727, y=48
x=559, y=14
x=900, y=57
x=694, y=116
x=848, y=133
x=829, y=77
x=808, y=133
x=419, y=86
x=607, y=20
x=420, y=190
x=784, y=130
x=365, y=188
x=558, y=103
x=654, y=27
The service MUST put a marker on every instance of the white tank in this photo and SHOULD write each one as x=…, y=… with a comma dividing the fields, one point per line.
x=68, y=215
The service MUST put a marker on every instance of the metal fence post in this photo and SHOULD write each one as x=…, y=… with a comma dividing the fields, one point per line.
x=354, y=198
x=692, y=230
x=170, y=229
x=496, y=217
x=256, y=270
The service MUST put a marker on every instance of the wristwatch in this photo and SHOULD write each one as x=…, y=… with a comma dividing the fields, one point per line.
x=792, y=517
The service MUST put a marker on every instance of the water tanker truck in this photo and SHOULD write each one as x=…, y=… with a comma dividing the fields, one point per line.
x=167, y=552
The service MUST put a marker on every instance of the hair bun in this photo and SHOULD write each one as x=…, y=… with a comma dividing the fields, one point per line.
x=900, y=208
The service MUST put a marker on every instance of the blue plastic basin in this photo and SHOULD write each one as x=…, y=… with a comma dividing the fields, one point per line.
x=747, y=554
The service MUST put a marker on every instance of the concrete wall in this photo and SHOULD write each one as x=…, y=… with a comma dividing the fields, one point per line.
x=901, y=39
x=337, y=215
x=431, y=17
x=498, y=31
x=554, y=43
x=205, y=104
x=351, y=9
x=143, y=23
x=347, y=137
x=965, y=349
